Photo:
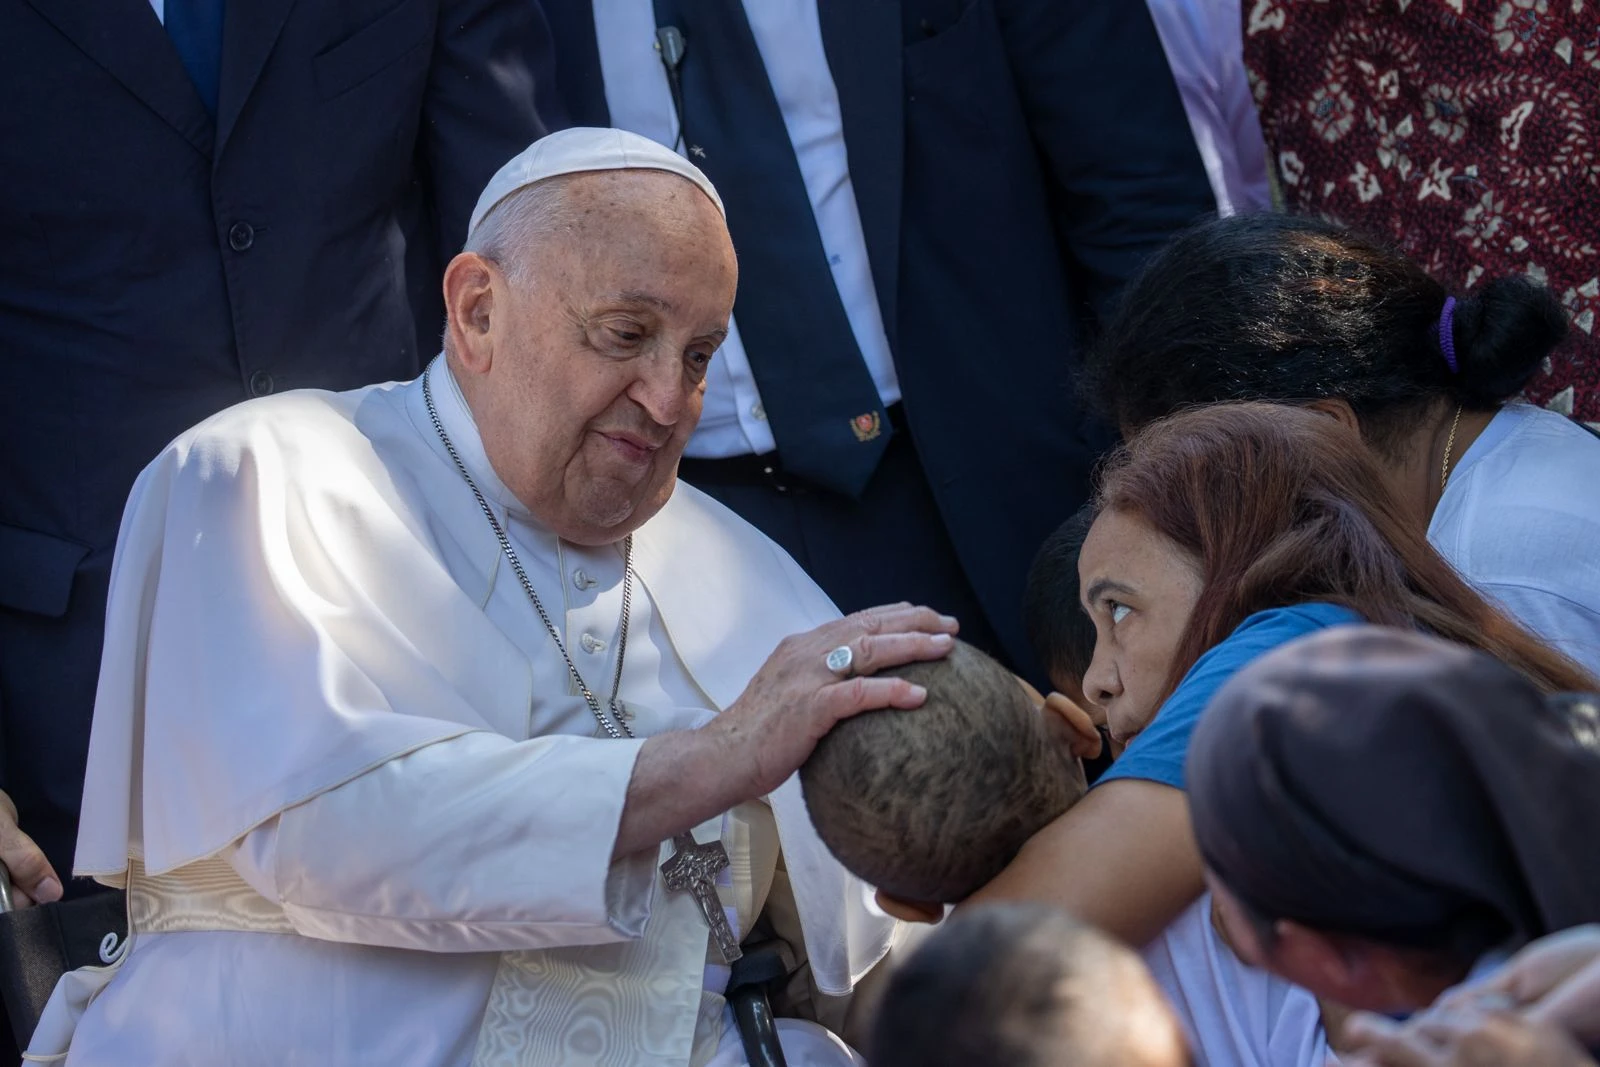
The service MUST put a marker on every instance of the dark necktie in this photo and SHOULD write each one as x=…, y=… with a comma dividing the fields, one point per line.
x=820, y=400
x=195, y=27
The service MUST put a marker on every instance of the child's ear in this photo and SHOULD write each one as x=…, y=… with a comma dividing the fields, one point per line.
x=1031, y=693
x=911, y=911
x=1080, y=736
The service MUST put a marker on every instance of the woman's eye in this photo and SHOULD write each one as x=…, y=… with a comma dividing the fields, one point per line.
x=1118, y=611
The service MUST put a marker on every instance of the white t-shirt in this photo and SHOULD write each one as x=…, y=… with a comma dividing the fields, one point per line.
x=1520, y=519
x=1234, y=1015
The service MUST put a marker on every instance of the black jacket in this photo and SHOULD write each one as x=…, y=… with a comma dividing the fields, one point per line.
x=1013, y=162
x=157, y=266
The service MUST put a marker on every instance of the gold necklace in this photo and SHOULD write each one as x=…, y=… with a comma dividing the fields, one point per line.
x=1449, y=446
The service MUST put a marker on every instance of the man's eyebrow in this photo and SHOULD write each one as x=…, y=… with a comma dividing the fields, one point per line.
x=639, y=296
x=1100, y=588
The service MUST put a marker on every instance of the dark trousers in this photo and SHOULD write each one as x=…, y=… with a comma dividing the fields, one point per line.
x=888, y=546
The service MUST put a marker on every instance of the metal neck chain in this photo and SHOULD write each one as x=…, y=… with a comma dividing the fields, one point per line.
x=1449, y=447
x=616, y=725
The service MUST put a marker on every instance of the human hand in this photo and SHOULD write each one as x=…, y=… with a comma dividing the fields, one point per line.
x=1461, y=1037
x=1538, y=968
x=1555, y=980
x=33, y=880
x=794, y=699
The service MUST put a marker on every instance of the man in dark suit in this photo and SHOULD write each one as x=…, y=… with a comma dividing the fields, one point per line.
x=932, y=201
x=196, y=210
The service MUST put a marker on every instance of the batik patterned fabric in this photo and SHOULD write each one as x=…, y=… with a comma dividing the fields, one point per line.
x=1464, y=130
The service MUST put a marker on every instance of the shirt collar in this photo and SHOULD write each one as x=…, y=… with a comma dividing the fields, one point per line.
x=456, y=418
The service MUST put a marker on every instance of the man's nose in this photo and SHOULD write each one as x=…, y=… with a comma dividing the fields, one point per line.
x=662, y=388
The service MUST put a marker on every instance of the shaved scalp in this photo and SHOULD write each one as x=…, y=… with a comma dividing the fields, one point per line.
x=929, y=805
x=1025, y=985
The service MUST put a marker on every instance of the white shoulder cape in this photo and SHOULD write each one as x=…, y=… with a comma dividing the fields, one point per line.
x=297, y=598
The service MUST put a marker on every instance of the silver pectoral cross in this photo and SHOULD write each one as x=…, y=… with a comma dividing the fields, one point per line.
x=694, y=867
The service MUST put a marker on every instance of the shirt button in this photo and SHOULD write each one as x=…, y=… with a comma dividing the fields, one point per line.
x=260, y=383
x=581, y=579
x=592, y=644
x=241, y=235
x=758, y=413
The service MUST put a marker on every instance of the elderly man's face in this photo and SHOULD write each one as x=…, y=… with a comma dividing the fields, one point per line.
x=599, y=351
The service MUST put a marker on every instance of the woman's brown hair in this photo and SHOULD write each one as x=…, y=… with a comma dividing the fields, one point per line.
x=1281, y=505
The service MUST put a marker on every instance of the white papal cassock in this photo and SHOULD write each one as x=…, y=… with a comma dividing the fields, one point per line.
x=362, y=813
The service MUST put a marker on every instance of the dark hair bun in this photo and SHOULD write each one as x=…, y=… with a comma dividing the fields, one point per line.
x=1503, y=332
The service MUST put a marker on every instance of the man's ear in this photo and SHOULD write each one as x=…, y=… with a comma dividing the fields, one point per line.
x=911, y=911
x=469, y=302
x=1073, y=725
x=1339, y=410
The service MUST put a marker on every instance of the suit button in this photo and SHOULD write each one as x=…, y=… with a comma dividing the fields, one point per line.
x=241, y=235
x=260, y=383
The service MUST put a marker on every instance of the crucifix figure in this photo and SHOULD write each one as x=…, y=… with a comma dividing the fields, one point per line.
x=694, y=867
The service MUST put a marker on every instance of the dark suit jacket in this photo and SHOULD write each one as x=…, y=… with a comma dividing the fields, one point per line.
x=1013, y=162
x=156, y=266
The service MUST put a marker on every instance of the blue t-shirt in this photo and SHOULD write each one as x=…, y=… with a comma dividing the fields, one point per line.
x=1157, y=753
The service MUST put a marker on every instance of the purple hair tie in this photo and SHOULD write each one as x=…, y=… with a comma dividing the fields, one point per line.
x=1447, y=333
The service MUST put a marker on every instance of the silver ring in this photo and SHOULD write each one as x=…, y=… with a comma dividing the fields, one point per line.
x=839, y=660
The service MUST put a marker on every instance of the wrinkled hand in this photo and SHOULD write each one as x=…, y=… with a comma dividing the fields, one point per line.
x=1462, y=1037
x=33, y=880
x=794, y=699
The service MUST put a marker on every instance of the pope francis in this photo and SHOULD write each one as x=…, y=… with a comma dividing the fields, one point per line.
x=438, y=724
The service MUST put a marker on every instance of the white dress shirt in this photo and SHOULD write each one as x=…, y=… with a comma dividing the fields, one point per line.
x=1204, y=42
x=1234, y=1014
x=789, y=37
x=1518, y=523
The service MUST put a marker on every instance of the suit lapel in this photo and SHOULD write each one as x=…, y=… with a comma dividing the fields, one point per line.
x=249, y=30
x=578, y=76
x=126, y=38
x=863, y=41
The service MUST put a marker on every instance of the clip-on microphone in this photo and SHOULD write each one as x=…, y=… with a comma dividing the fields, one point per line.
x=670, y=43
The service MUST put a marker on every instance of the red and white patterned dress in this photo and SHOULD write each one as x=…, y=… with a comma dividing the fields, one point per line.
x=1465, y=130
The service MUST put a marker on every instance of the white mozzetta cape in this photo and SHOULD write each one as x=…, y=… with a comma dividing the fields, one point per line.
x=305, y=591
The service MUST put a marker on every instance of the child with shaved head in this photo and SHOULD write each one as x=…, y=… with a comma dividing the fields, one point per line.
x=1027, y=986
x=929, y=806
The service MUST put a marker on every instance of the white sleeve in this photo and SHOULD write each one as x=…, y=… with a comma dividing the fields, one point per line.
x=474, y=844
x=1566, y=625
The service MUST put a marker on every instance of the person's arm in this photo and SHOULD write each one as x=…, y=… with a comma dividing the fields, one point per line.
x=1124, y=859
x=1122, y=185
x=764, y=737
x=491, y=93
x=479, y=843
x=472, y=844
